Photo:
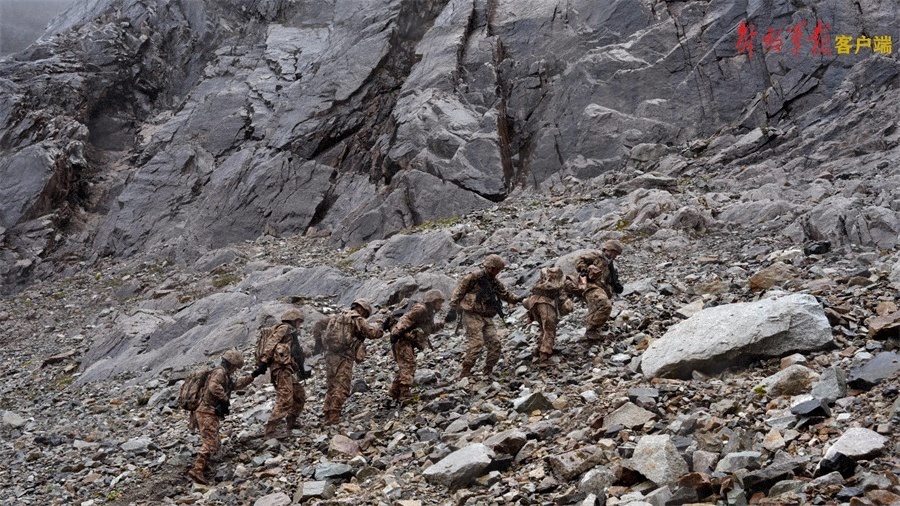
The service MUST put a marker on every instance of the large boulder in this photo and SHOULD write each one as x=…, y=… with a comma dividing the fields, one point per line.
x=735, y=334
x=461, y=467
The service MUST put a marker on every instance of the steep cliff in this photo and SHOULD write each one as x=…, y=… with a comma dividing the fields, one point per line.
x=175, y=127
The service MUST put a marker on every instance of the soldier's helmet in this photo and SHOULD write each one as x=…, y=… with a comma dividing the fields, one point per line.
x=494, y=262
x=553, y=273
x=234, y=358
x=291, y=315
x=612, y=245
x=363, y=304
x=434, y=296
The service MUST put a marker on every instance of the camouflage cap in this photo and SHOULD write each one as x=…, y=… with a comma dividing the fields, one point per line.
x=494, y=262
x=434, y=295
x=292, y=314
x=612, y=245
x=234, y=358
x=364, y=304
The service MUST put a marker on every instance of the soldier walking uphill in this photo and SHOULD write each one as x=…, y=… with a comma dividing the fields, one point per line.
x=547, y=302
x=478, y=295
x=214, y=405
x=343, y=344
x=410, y=334
x=601, y=281
x=282, y=355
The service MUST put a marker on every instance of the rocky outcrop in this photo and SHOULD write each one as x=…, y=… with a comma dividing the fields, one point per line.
x=177, y=128
x=722, y=336
x=110, y=348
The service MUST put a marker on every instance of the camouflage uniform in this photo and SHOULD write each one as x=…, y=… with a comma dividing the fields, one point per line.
x=205, y=418
x=547, y=302
x=340, y=356
x=290, y=396
x=407, y=336
x=478, y=317
x=601, y=281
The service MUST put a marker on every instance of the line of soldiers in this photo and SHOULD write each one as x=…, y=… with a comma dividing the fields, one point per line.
x=476, y=300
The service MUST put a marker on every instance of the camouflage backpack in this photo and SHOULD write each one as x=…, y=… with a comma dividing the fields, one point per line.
x=338, y=337
x=264, y=349
x=192, y=389
x=394, y=316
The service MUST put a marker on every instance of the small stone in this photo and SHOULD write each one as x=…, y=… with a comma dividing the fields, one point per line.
x=13, y=420
x=276, y=499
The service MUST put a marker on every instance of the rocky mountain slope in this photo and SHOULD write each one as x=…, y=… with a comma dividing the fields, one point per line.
x=93, y=362
x=180, y=172
x=174, y=128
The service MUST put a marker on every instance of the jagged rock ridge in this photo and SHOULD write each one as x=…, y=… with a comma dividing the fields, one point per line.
x=178, y=127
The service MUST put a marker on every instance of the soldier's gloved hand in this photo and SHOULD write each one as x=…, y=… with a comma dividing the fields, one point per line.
x=451, y=316
x=260, y=370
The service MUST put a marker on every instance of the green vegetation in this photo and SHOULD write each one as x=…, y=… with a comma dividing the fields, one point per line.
x=226, y=279
x=436, y=224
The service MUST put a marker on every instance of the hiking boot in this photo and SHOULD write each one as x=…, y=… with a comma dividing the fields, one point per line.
x=270, y=430
x=592, y=335
x=198, y=472
x=197, y=477
x=332, y=417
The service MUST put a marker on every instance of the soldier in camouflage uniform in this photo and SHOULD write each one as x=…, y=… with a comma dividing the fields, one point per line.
x=601, y=281
x=214, y=405
x=410, y=334
x=343, y=344
x=284, y=349
x=478, y=295
x=547, y=302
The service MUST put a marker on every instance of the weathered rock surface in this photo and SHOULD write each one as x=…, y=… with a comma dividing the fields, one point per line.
x=858, y=443
x=729, y=335
x=460, y=467
x=229, y=121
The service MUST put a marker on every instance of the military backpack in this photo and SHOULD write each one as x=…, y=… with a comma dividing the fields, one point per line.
x=394, y=316
x=192, y=389
x=338, y=338
x=264, y=347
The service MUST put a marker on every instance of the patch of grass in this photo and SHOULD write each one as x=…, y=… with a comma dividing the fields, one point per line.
x=436, y=224
x=62, y=382
x=224, y=280
x=760, y=390
x=622, y=224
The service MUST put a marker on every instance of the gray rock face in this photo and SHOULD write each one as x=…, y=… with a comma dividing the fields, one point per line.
x=507, y=442
x=571, y=464
x=831, y=386
x=793, y=380
x=14, y=420
x=461, y=467
x=739, y=460
x=137, y=445
x=628, y=415
x=532, y=402
x=858, y=443
x=358, y=120
x=657, y=458
x=882, y=366
x=276, y=499
x=727, y=335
